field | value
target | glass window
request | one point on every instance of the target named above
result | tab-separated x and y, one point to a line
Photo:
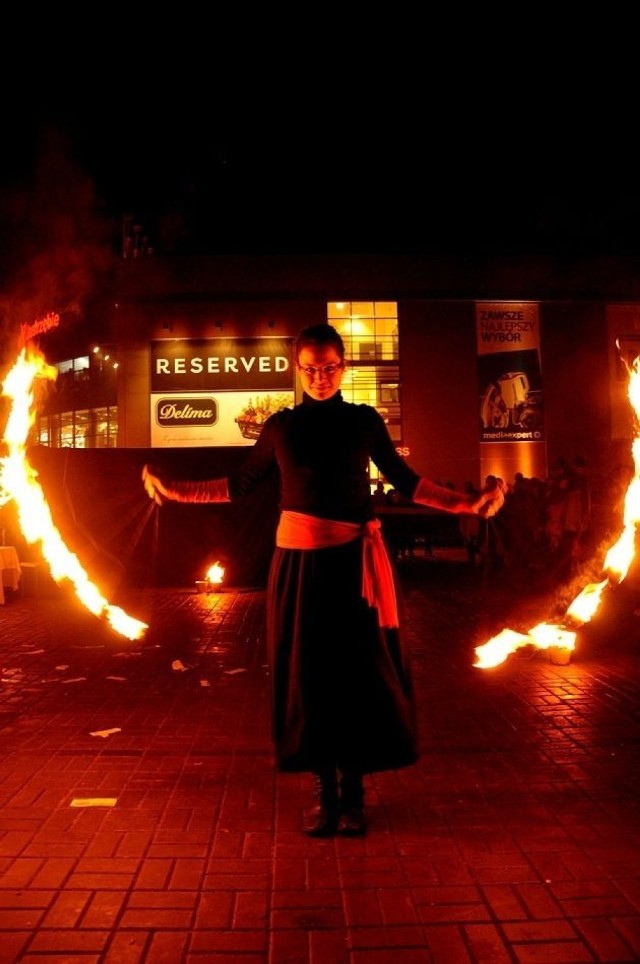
79	364
87	428
81	430
67	435
369	330
41	432
106	427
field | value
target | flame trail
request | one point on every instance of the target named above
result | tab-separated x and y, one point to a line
18	481
616	566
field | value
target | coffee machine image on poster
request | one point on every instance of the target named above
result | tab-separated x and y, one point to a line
511	403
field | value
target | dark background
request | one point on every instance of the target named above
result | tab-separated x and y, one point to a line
123	539
263	137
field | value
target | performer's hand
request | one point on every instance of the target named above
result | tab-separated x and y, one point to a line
491	499
153	486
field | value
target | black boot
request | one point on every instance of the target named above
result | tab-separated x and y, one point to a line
322	820
353	819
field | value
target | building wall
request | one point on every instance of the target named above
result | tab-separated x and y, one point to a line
133	397
438	370
439	383
439	388
206	297
575	371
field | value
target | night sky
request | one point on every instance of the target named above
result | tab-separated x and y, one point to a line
214	162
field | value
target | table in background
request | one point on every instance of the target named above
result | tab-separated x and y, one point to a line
10	568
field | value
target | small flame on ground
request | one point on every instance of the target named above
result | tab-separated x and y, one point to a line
18	481
215	573
616	566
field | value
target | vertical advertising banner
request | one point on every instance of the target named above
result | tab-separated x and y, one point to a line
217	391
510	397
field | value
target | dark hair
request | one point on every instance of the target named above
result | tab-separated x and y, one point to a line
319	335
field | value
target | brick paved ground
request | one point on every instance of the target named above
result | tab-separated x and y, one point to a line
516	838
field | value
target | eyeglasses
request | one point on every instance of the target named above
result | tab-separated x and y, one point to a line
328	371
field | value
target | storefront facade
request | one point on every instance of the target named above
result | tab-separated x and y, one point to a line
477	369
413	330
472	373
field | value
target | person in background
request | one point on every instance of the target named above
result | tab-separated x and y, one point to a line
398	530
379	496
492	548
342	693
556	488
576	518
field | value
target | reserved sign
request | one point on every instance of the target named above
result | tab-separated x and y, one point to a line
221	364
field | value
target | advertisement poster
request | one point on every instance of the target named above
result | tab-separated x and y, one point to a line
509	373
217	391
510	397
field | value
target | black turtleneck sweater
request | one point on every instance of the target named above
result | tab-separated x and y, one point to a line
322	451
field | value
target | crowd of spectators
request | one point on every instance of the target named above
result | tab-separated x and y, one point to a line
546	528
549	527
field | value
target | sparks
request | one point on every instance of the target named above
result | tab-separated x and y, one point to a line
18	481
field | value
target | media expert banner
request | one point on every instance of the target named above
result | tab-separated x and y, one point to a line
509	372
217	391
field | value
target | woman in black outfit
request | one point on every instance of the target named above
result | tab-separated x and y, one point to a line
342	692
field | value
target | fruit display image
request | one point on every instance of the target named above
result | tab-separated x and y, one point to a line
253	416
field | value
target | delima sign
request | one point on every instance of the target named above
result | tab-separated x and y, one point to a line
188	411
221	364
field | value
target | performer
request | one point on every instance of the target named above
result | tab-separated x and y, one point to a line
342	694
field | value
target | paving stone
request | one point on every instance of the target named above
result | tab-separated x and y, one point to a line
516	837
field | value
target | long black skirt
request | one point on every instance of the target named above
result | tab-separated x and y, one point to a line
342	688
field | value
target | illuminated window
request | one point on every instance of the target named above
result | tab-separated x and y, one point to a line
89	428
389	392
73	365
81	411
106	427
369	330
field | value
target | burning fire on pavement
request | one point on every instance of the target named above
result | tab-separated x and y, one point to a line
214	577
18	482
616	565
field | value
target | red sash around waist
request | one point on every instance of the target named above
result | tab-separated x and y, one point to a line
297	530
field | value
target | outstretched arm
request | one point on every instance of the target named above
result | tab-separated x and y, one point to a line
486	503
426	492
211	490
